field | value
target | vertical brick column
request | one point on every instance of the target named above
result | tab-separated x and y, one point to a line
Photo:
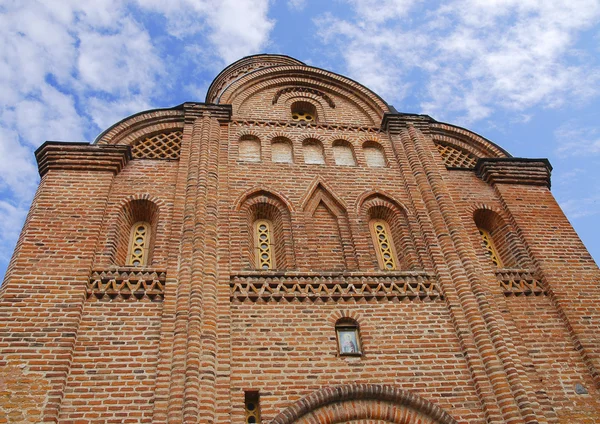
483	319
568	270
43	294
194	344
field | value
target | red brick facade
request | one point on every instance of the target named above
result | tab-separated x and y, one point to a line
446	335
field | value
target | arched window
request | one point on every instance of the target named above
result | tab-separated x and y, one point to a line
304	112
263	242
490	248
348	337
281	150
313	152
384	245
343	154
139	243
500	243
374	155
249	148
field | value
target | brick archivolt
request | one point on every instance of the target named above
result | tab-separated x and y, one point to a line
365	101
377	403
242	67
142	125
465	140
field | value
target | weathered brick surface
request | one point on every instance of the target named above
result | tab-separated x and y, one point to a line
447	337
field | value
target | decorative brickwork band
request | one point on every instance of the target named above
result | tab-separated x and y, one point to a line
514	171
81	157
351	403
125	284
325	97
335	288
517	282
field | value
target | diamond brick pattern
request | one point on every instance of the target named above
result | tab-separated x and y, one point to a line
342	288
159	146
455	157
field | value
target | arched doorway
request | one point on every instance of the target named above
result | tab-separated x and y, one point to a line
363	404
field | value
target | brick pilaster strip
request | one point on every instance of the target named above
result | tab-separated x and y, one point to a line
514	171
483	318
420	200
81	157
199	398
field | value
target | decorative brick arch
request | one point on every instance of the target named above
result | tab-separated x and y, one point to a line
301	77
319	193
510	246
138	207
259	203
405	233
467	141
373	402
142	125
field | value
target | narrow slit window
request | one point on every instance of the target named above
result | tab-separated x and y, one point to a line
490	248
384	246
139	244
265	258
252	405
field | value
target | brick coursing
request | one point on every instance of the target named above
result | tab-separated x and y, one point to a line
446	338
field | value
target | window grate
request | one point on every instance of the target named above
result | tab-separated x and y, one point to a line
264	248
456	158
159	146
383	245
490	249
138	245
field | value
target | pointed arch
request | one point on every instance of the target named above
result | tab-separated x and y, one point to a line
328	229
341	404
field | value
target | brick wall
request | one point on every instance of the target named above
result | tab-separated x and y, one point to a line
85	338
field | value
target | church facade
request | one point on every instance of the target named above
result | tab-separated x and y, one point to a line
294	250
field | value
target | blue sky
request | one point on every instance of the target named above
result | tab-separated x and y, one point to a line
523	73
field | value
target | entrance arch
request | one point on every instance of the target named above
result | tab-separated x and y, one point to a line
363	404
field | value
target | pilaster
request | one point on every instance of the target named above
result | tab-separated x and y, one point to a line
501	386
569	273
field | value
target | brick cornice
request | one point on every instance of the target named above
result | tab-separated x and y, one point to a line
195	110
81	157
394	122
514	171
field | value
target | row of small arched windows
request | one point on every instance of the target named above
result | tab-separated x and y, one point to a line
496	240
282	151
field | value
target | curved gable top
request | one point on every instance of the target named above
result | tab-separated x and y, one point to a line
242	67
240	79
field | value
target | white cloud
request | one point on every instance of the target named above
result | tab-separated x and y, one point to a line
575	140
71	68
120	62
582	207
473	56
296	4
235	28
10	228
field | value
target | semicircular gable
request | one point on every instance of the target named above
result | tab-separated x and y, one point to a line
466	141
320	85
241	68
142	125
